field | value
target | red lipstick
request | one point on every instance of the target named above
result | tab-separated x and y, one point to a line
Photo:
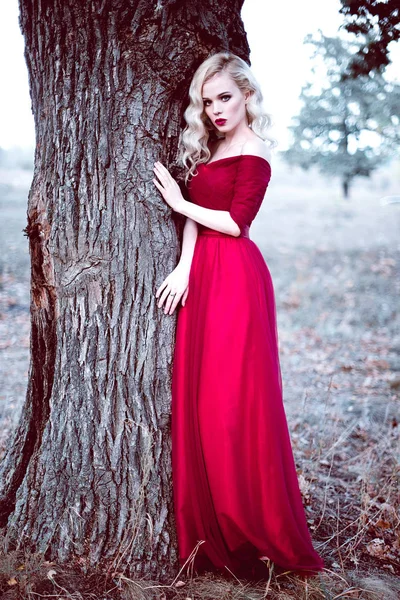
220	122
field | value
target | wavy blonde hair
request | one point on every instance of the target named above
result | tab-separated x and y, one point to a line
193	142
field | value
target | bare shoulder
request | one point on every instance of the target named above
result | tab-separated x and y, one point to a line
257	147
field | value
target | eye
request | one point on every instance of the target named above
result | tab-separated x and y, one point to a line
207	102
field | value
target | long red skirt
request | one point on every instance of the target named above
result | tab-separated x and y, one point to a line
234	477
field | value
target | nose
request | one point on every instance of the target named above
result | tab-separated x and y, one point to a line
216	110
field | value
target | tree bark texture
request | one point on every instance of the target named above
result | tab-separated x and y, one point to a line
87	475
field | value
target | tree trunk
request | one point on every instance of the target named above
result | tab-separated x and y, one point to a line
346	188
87	475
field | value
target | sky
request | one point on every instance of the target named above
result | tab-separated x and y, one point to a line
279	60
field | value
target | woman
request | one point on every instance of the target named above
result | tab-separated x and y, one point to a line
236	490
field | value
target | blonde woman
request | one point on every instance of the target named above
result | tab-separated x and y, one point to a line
236	492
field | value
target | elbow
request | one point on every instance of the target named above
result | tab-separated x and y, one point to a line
236	231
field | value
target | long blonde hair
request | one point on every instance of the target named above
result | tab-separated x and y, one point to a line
194	139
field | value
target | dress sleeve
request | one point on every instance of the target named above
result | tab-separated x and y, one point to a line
252	178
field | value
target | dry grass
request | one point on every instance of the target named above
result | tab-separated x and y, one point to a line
25	576
333	264
350	484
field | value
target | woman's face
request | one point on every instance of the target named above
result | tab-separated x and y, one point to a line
224	103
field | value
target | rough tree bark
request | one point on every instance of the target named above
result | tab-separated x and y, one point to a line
87	475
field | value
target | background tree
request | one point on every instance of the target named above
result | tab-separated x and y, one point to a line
87	475
379	24
347	127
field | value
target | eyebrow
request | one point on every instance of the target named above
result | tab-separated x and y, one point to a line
222	94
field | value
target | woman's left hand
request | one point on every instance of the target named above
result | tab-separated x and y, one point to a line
168	187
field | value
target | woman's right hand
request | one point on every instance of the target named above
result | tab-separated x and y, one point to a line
177	282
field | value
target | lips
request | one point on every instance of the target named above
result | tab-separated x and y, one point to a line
220	121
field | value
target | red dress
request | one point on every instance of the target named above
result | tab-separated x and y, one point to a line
234	478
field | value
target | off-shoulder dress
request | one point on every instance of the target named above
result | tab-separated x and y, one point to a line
235	484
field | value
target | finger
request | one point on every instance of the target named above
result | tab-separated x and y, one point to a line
167	305
184	297
164	297
162	173
161	287
160	302
157	183
168	302
172	302
162	185
175	303
161	166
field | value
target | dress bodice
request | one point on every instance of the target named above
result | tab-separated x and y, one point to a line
236	184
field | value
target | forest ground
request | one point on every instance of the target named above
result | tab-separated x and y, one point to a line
335	268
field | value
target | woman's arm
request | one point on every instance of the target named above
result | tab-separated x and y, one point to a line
215	219
219	220
188	243
177	282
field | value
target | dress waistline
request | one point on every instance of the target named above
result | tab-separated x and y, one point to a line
213	232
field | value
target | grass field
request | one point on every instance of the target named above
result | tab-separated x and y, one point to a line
335	267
